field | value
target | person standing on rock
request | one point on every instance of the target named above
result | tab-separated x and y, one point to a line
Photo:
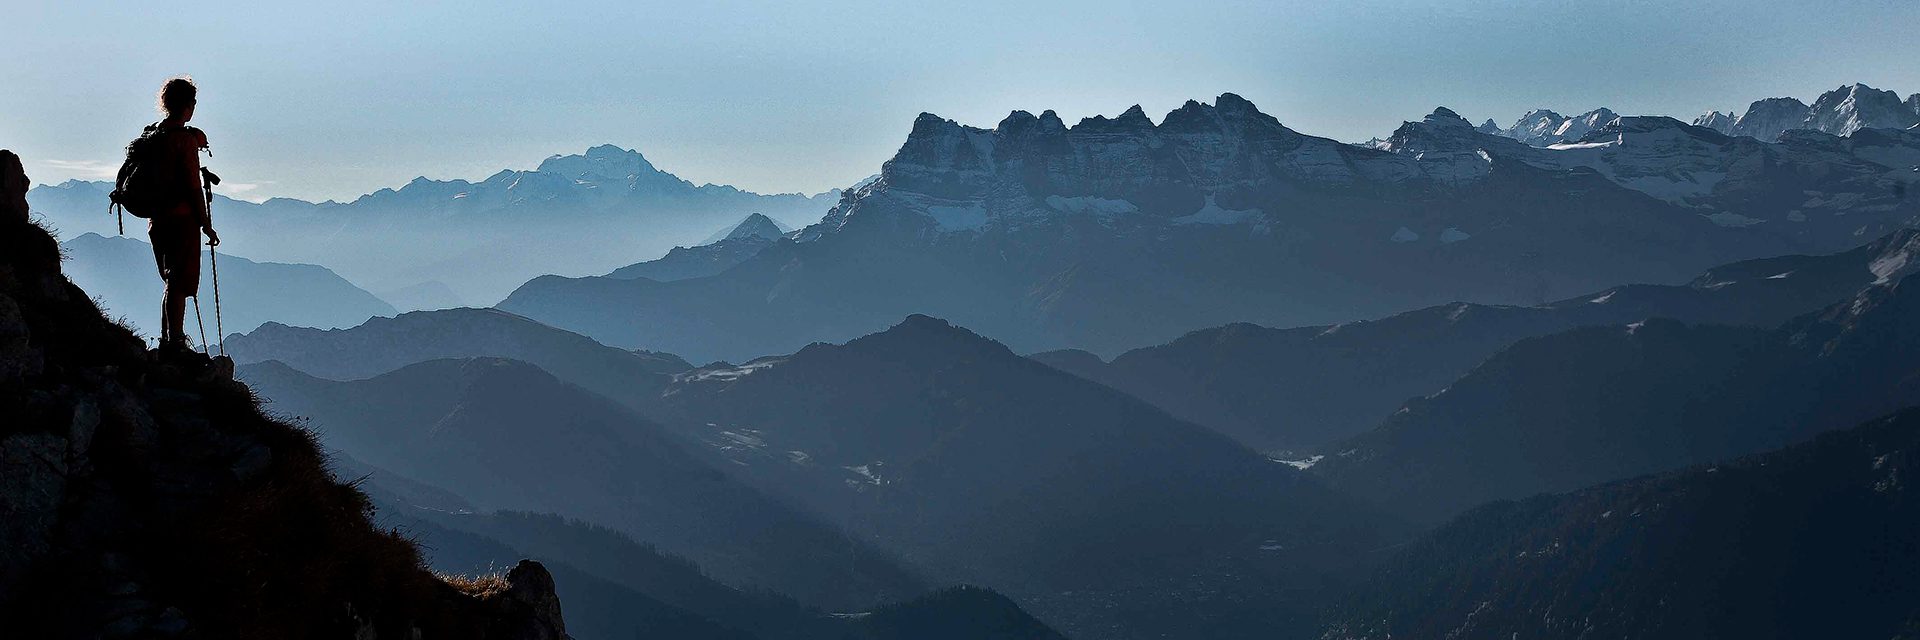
175	226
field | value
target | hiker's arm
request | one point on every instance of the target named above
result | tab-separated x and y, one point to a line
205	203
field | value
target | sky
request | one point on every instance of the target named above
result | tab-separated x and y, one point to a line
333	100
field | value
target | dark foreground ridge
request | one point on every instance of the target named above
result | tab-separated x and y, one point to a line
1813	541
141	498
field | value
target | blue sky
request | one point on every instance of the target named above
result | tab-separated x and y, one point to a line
331	100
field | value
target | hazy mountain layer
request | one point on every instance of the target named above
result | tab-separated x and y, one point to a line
1098	512
1278	389
507	435
574	214
383	345
718	254
120	273
1596	404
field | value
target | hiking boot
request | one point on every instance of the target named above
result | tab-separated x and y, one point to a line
177	351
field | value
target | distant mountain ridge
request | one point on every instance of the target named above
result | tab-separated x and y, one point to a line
588	212
383	345
1840	112
1300	388
723	250
1568	410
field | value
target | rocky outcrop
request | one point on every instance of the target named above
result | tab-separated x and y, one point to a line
1721	122
150	497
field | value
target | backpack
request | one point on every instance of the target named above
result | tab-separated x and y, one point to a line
139	187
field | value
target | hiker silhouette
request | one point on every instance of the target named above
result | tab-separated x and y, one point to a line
181	216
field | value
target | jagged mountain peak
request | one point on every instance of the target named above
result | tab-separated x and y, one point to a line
1537	114
1445	117
1134	119
1542	127
1228	112
757	225
604	161
1715	120
924	339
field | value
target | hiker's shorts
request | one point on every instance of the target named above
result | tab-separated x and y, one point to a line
176	251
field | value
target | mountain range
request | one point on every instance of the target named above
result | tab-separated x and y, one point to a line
383	345
579	214
120	273
1840	112
1035	232
1572	409
1299	388
1096	511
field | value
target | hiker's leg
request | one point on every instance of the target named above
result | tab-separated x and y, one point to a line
174	309
169	311
176	252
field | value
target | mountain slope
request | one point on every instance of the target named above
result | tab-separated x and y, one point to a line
383	345
141	498
1812	541
1277	389
507	435
1101	514
120	272
719	253
1033	232
1601	403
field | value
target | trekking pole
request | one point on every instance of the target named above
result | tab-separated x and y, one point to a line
220	329
213	259
200	321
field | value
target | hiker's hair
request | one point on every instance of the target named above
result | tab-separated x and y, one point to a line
177	94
